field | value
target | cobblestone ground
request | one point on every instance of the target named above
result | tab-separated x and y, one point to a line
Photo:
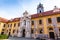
16	38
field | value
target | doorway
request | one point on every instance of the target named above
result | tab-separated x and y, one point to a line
51	34
9	33
23	33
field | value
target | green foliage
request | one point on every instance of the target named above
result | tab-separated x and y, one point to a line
4	36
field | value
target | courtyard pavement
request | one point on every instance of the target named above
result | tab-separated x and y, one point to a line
17	38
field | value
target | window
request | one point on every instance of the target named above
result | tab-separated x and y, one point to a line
2	33
59	29
4	25
32	22
58	19
49	20
41	31
40	21
14	24
31	31
13	31
8	25
2	29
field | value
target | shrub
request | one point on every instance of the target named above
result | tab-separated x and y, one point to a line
4	36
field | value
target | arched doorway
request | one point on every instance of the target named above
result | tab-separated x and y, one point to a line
9	34
23	33
51	34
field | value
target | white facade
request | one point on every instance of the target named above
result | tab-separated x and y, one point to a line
25	24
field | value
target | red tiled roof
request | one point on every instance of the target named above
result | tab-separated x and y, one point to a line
14	20
37	15
3	20
44	14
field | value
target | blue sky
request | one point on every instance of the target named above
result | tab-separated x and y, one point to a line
15	8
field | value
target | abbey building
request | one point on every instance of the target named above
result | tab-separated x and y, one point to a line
46	24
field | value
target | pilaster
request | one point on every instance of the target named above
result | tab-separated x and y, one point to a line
45	26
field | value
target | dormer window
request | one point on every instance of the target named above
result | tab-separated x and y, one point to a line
56	9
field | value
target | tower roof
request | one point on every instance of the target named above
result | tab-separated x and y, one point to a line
25	13
40	6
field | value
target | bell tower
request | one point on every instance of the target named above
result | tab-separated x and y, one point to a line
40	8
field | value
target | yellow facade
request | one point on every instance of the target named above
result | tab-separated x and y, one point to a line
44	24
11	28
2	27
